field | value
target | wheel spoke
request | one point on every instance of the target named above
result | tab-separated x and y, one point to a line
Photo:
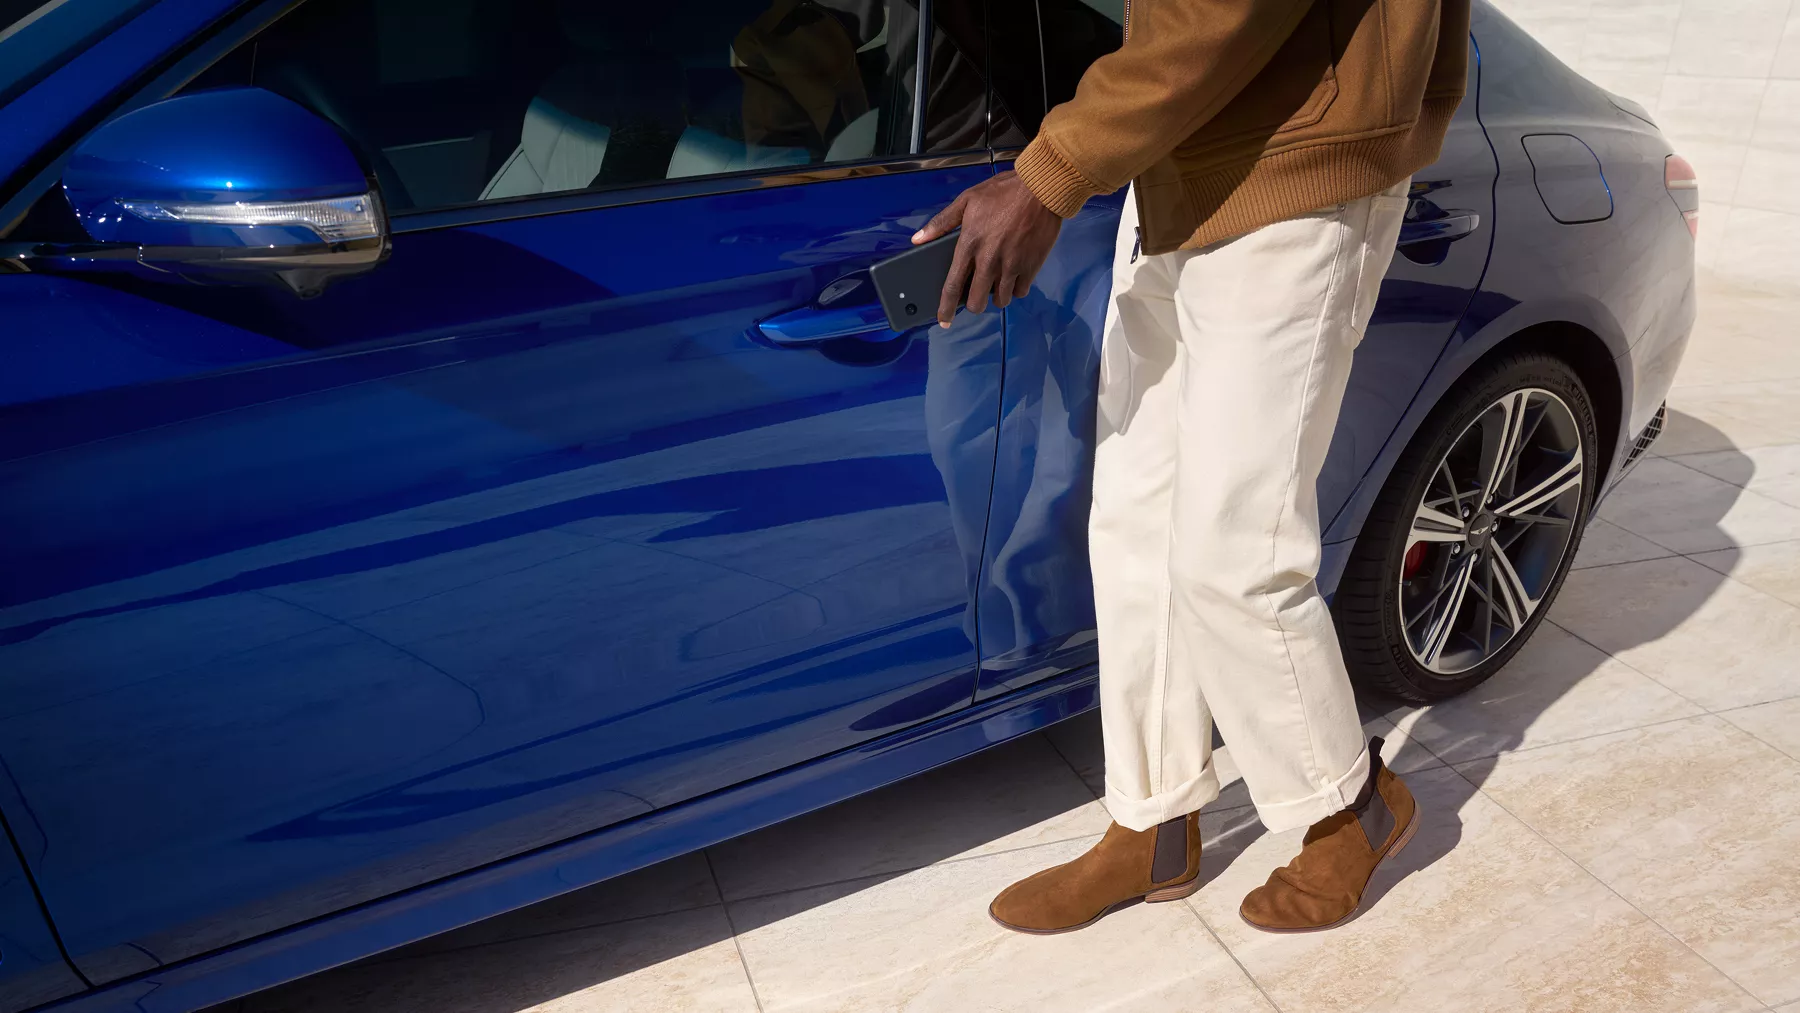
1437	635
1450	482
1511	590
1428	609
1562	480
1487	600
1433	525
1524	519
1499	450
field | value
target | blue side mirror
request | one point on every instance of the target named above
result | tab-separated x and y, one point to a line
233	185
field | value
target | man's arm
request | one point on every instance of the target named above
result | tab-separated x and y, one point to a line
1184	60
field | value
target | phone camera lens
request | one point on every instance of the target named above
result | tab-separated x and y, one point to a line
911	309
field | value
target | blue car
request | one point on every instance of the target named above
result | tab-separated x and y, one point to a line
451	453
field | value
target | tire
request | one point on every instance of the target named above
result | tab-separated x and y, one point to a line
1410	565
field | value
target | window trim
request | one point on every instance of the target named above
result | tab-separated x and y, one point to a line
197	55
570	201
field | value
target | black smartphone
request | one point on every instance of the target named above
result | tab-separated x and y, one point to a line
910	284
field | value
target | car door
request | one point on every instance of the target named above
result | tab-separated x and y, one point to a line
32	970
606	490
1036	603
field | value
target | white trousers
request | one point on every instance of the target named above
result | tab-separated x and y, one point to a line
1222	371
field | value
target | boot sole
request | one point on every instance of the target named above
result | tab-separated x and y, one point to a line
1167	893
1406	836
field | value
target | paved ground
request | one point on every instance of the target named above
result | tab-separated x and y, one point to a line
1612	823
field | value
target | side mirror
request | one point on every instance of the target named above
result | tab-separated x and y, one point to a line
228	186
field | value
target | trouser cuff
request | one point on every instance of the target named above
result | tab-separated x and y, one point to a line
1304	812
1143	813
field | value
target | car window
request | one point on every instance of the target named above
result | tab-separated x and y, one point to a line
462	101
37	37
1076	33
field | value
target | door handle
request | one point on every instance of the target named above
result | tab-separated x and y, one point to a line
810	325
1452	226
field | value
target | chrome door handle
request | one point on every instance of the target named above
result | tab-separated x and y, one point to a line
1454	225
810	325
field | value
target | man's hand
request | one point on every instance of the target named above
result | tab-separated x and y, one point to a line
1006	237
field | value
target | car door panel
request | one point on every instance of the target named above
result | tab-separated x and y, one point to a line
32	969
522	534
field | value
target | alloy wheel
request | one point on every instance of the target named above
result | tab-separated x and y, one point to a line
1491	531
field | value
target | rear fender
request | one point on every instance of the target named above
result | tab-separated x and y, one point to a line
1546	322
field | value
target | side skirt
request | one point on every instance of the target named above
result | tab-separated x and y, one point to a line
582	861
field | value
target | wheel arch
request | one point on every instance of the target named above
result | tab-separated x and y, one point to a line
1590	347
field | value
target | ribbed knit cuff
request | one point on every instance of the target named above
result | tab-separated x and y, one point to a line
1054	180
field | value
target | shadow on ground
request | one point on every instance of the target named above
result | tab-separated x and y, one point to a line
1019	794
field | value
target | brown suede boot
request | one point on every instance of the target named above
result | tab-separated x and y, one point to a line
1324	884
1162	863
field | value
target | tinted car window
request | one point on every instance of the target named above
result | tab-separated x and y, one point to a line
461	101
37	37
1040	50
1076	33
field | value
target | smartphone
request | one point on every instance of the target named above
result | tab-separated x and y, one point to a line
910	284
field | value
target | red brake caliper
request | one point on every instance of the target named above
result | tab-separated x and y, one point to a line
1414	557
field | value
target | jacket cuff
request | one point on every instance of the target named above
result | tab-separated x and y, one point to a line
1053	178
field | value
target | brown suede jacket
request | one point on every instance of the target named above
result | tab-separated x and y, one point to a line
1232	114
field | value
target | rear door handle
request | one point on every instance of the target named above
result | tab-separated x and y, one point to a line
1454	225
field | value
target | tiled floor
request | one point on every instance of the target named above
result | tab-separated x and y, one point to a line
1612	823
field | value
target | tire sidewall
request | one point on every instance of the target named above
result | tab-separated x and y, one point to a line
1406	488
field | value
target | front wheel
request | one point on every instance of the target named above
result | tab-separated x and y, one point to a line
1473	533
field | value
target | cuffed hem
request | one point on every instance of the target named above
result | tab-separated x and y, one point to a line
1333	798
1141	814
1053	178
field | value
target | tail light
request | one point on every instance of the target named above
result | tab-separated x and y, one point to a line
1683	185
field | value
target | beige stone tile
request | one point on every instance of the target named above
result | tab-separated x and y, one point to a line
1728	37
1771	471
1687	433
1713	215
1792	1007
1750	413
679	884
1690	511
1712	640
1012	796
1605	543
1742	333
684	962
1770	178
1694	823
1637	36
1562	29
1555	689
1401	751
923	941
1079	741
1642	87
1777	724
1787	55
1478	914
1761	248
1772	569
